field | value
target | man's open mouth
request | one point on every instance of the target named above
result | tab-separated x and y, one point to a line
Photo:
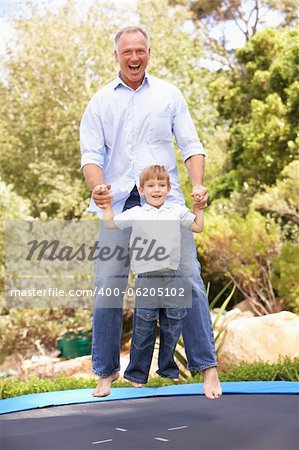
134	68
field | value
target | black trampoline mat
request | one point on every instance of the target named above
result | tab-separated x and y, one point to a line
234	422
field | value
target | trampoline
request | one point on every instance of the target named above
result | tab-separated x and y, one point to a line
253	415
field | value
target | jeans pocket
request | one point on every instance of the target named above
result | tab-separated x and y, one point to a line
148	315
176	313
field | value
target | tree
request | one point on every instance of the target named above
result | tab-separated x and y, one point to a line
247	16
281	200
243	248
259	102
59	63
53	71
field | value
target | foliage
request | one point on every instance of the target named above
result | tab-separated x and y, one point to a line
281	200
12	207
287	370
23	330
286	274
215	17
48	85
259	99
243	248
43	98
247	16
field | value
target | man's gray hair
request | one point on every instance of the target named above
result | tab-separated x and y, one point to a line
130	30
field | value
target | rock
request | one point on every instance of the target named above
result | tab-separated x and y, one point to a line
74	366
268	338
243	306
228	316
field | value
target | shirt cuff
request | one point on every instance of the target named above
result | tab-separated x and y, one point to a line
196	150
89	160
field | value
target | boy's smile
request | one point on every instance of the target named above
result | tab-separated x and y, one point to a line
155	192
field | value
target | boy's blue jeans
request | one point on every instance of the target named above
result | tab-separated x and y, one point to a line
145	326
107	318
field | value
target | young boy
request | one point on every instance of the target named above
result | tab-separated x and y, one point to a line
159	285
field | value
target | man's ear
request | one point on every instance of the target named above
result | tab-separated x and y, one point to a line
115	55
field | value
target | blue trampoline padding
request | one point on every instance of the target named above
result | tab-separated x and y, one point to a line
58	398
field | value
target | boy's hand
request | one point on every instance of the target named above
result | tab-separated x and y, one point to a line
200	196
101	196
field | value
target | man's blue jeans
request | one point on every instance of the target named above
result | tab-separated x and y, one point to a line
111	278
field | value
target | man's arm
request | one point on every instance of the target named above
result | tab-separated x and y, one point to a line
196	166
191	148
94	177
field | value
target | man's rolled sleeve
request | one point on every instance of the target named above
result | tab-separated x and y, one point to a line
184	129
92	140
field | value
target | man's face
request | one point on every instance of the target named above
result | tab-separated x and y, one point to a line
132	55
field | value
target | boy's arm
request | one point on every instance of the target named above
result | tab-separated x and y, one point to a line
197	225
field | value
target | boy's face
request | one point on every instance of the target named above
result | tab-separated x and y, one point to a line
155	192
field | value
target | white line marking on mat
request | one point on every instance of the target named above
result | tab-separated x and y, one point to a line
178	428
162	439
121	429
103	442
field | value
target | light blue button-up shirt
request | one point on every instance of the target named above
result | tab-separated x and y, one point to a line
125	130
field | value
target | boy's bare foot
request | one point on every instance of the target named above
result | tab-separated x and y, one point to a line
138	385
212	388
104	385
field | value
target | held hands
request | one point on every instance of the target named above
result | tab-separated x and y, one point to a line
101	195
200	196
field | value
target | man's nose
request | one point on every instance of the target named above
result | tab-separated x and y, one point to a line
134	56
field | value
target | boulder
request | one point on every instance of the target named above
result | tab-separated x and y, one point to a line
268	338
74	366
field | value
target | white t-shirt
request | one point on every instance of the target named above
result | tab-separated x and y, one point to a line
155	240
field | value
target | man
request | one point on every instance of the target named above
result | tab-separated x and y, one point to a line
129	125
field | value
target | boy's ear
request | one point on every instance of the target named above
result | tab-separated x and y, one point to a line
140	190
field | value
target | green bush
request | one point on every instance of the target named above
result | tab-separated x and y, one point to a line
287	370
286	274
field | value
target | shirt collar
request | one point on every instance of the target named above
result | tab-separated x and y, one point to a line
118	81
148	207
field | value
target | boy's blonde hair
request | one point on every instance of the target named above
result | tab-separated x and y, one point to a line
154	172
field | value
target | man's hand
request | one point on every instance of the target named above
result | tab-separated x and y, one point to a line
101	196
200	196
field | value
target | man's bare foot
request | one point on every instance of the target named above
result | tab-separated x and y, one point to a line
212	388
104	385
176	380
138	385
